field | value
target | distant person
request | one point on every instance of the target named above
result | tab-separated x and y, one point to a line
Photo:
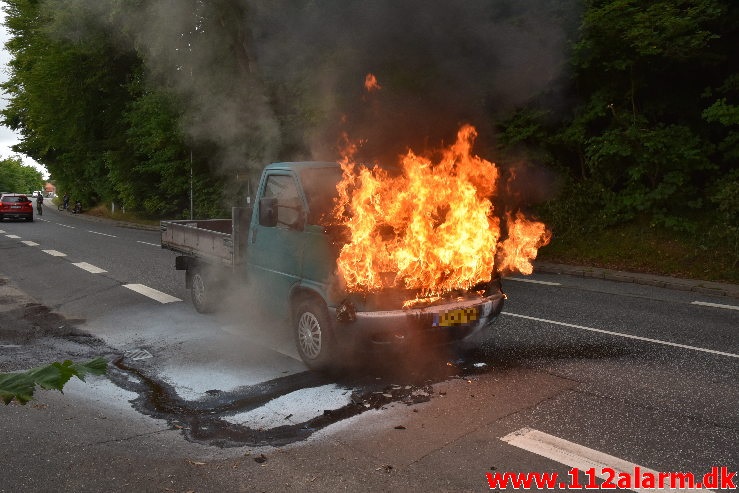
65	201
40	204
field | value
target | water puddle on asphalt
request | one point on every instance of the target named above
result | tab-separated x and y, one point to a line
290	408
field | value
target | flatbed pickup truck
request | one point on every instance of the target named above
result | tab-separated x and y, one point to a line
288	260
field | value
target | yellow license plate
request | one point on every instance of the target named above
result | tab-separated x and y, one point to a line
460	316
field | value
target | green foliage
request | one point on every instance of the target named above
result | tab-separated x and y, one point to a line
17	177
652	128
618	35
663	163
21	386
726	229
723	113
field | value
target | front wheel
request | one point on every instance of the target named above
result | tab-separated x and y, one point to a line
313	336
201	291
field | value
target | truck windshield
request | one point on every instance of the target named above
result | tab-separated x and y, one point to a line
319	185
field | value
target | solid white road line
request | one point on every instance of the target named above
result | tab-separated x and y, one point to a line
521	279
620	334
54	253
15	237
88	267
101	234
29	243
715	305
147	243
574	455
151	293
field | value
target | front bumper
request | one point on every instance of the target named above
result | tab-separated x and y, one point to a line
442	323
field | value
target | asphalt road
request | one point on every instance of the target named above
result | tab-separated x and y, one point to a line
578	373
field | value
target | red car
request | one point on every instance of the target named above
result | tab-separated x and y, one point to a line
17	206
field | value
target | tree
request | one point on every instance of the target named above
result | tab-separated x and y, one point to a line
17	177
638	138
67	96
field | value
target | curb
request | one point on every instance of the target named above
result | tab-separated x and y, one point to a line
696	286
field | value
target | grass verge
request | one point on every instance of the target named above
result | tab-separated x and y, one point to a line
644	248
103	210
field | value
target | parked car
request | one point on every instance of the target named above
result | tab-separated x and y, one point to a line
16	206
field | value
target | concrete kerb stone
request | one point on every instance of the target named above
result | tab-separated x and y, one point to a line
697	286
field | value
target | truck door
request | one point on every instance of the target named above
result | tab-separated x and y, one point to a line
274	254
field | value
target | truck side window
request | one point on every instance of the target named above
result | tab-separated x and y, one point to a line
283	188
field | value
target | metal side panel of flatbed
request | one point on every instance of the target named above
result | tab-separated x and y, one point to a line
210	240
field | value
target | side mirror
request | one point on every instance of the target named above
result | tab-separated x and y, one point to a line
268	212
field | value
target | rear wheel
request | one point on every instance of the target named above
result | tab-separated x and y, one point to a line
313	336
201	291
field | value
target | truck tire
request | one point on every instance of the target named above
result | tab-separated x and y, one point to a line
202	292
313	336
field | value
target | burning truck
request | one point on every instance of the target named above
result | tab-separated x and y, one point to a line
353	256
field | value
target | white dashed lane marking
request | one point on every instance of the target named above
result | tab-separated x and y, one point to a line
147	243
574	455
88	267
101	234
620	334
54	253
715	305
151	293
521	279
139	288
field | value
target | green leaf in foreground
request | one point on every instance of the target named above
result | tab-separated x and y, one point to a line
20	386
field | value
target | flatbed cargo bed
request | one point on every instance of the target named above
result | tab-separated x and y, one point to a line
210	239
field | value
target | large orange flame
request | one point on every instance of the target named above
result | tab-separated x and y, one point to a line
433	228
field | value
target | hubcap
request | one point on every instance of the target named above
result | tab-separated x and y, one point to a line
309	335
